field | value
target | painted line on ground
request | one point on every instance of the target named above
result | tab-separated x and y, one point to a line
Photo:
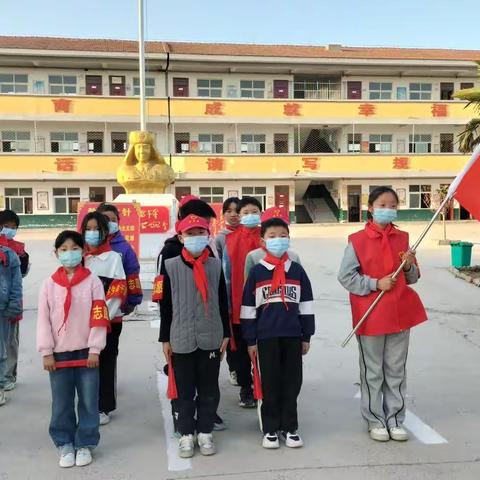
175	463
422	431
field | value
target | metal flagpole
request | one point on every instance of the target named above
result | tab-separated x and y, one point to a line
141	64
397	271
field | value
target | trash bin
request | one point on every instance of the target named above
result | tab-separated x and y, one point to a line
461	254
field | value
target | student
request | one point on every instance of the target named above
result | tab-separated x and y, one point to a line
9	223
71	332
194	331
10	304
232	222
277	323
255	256
371	257
238	245
107	265
129	258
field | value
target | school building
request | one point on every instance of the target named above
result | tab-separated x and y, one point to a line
311	128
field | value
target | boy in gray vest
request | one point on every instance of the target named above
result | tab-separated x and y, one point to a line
194	330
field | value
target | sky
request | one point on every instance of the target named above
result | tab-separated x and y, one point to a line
403	23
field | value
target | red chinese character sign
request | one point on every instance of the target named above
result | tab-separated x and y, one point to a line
129	221
65	164
217	223
154	219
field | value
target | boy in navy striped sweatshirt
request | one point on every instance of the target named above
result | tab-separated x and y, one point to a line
277	322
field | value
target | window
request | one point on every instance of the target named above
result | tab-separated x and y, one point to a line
210	143
211	194
260	193
95	142
119	142
252	88
64	142
280	142
62	84
116	191
380	91
446	90
420	143
96	194
420	91
253	143
401	93
446	143
420	196
354	142
13	83
380	144
209	88
149	86
20	200
465	85
15	141
65	200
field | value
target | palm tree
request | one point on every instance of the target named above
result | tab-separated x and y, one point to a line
470	137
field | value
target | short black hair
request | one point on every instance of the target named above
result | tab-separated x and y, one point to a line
102	225
9	216
249	201
376	192
108	207
196	207
69	234
228	202
273	222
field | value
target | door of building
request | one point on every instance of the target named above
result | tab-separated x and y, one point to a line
280	89
354	90
93	84
354	194
117	85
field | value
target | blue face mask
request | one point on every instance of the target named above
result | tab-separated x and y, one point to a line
384	216
8	232
195	245
70	258
113	227
92	237
277	246
251	220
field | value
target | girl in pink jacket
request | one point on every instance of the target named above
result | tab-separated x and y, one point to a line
71	332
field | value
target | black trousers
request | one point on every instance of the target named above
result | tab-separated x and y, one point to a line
231	359
107	401
196	376
243	365
280	362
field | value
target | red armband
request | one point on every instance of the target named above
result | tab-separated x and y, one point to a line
71	363
134	287
99	315
117	289
157	292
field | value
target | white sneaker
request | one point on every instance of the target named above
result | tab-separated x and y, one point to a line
3	399
104	418
380	434
270	441
234	379
186	446
67	456
292	439
398	434
205	442
84	457
9	386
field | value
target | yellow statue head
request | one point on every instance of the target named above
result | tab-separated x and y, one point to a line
142	149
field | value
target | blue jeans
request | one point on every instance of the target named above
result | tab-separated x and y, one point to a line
64	426
4	338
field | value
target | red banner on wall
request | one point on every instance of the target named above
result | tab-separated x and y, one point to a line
154	219
219	222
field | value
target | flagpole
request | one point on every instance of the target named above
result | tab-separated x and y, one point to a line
398	270
141	64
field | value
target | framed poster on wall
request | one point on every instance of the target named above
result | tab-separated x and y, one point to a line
42	201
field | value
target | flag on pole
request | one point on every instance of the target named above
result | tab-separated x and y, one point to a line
465	187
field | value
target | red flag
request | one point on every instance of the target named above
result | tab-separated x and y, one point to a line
257	382
172	392
465	186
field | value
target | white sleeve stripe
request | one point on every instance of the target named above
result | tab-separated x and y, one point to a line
248	312
306	308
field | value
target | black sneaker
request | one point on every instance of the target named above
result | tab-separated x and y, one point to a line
246	398
218	425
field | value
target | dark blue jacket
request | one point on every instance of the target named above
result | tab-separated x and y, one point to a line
10	285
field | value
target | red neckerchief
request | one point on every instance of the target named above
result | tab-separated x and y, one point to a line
230	228
278	279
17	247
3	255
199	274
374	231
60	278
104	247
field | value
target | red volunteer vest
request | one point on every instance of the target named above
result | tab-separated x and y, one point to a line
379	255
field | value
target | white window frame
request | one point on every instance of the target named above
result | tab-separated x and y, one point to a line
16	85
416	192
420	91
19	195
149	86
210	143
352	145
380	90
385	142
253	143
20	141
252	88
62	86
69	144
420	143
260	193
66	196
208	90
211	194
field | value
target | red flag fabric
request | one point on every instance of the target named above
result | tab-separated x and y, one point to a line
257	381
172	393
465	186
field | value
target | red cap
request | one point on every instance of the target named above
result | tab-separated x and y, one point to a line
192	221
275	212
186	199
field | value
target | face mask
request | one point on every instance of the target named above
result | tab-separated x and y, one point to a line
195	245
70	258
384	216
251	220
8	232
113	227
277	246
92	237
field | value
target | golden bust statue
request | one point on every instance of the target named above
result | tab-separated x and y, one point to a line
144	170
